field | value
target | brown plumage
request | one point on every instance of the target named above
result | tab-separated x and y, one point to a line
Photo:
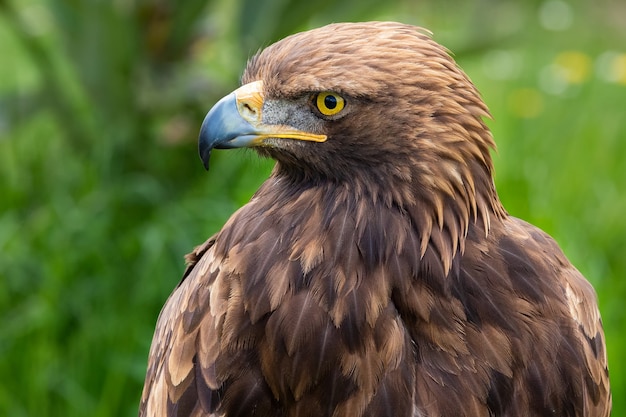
375	273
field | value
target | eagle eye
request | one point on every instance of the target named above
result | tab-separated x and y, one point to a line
329	103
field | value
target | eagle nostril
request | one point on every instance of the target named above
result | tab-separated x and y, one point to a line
247	111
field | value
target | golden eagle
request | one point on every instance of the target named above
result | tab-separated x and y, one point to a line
375	272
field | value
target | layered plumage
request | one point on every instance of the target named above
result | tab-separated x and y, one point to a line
375	273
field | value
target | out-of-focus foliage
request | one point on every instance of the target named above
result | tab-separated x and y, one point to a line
101	190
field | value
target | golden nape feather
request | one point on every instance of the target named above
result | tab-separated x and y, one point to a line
375	273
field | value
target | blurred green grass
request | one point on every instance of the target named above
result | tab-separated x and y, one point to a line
101	190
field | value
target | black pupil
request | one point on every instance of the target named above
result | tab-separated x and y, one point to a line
330	102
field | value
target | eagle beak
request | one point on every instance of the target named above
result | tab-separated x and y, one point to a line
236	122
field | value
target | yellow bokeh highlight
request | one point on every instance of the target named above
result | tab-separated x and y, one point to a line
618	69
574	66
525	103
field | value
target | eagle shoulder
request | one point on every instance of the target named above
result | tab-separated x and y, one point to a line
548	313
171	384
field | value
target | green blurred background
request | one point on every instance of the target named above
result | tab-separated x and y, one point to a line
102	191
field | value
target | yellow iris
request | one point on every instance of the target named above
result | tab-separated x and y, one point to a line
329	103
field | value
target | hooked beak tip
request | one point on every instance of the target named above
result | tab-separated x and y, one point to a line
206	157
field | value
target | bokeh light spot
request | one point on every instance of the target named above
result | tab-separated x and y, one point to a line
556	15
525	103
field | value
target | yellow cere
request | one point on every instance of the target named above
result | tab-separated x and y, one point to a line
329	103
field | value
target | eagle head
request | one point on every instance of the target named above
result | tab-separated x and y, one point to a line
379	106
